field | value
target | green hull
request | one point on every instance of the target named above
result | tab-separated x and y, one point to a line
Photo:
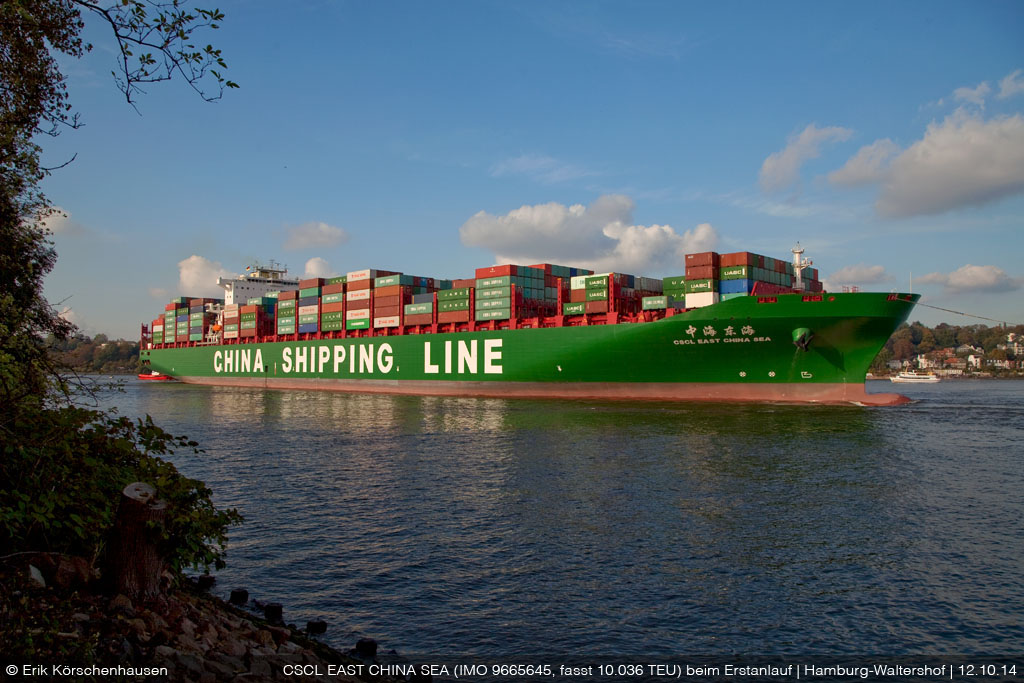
741	349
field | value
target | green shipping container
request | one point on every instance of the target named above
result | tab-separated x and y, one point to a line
654	303
309	318
597	282
286	329
332	298
597	294
676	281
726	297
196	316
337	280
332	316
483	304
698	286
493	293
391	280
233	327
491	282
456	305
416	309
734	272
460	293
247	325
332	325
363	324
494	314
309	291
196	337
248	316
578	308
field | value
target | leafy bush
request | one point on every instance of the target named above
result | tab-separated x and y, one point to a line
64	474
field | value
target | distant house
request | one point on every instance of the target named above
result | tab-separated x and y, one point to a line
974	361
967	348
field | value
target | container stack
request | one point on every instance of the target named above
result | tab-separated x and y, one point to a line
358	309
332	304
393	292
157	331
744	273
605	292
453	304
288	312
232	321
309	305
701	281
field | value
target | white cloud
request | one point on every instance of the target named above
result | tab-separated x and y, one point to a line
543	169
963	161
59	223
1011	85
315	234
71	316
869	165
782	169
860	274
318	267
197	276
971	278
601	236
975	96
159	293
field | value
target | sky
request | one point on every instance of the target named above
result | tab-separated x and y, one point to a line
435	138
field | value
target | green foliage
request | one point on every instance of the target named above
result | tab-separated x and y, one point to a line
82	354
66	472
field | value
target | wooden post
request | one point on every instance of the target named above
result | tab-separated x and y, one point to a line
136	560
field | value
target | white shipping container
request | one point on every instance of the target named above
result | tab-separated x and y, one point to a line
578	282
358	314
359	275
386	321
357	295
702	299
231	335
312	309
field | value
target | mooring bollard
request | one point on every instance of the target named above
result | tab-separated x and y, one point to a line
316	628
239	596
366	648
273	612
205	581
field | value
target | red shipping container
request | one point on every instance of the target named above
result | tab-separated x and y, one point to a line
291	295
170	307
363	305
597	307
701	272
249	308
393	290
704	258
386	311
336	288
577	295
381	300
419	319
465	282
359	284
335	307
247	333
311	282
495	271
453	317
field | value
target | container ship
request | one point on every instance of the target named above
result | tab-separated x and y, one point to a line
732	327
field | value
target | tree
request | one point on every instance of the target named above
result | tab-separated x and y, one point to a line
155	41
60	463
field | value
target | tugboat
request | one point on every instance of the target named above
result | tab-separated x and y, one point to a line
153	375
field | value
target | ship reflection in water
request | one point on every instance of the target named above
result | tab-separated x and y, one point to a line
491	527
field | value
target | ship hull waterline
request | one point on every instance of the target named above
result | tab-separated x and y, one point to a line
739	350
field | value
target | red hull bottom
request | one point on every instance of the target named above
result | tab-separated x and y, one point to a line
610	391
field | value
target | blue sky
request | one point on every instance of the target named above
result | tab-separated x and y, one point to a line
434	138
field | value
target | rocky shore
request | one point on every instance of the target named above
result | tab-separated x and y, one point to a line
52	614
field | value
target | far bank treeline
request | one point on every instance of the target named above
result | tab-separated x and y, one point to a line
913	339
101	355
97	354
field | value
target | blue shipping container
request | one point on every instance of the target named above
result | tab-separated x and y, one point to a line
309	301
309	327
182	318
735	286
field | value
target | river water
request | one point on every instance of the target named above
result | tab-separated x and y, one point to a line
486	527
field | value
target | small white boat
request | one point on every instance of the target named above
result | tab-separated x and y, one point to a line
915	377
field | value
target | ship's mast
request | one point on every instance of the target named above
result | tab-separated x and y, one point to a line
798	265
